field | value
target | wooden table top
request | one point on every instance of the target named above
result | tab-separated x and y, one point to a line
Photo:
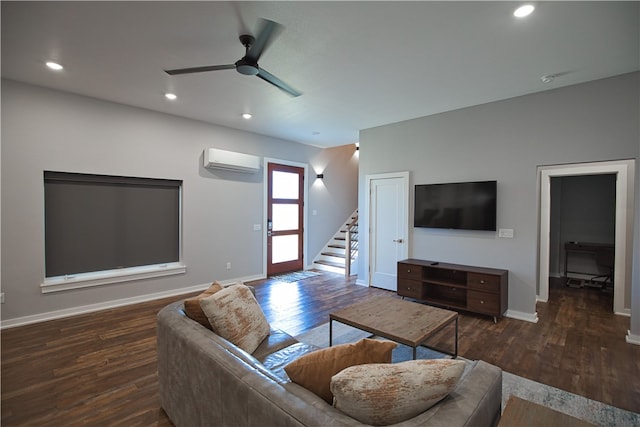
522	413
406	322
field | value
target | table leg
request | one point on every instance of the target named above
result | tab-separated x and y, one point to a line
455	354
330	332
414	352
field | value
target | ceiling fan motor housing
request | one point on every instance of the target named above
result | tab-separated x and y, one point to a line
247	66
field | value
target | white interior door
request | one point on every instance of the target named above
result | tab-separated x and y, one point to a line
389	229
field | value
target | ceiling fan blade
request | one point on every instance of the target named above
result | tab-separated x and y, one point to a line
200	69
270	78
269	30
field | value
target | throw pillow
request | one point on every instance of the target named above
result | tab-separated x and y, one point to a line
236	316
314	370
192	305
383	394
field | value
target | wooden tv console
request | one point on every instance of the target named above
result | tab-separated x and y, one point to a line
475	289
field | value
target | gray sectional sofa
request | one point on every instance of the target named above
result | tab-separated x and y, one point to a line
207	381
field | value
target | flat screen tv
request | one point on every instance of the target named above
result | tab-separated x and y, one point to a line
459	205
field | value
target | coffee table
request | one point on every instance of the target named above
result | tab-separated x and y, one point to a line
409	323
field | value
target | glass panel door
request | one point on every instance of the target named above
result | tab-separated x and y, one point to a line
285	217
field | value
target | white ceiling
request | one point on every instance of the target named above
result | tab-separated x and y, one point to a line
358	64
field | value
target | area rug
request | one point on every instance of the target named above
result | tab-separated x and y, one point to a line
571	404
295	276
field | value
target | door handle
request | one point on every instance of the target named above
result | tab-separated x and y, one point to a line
398	240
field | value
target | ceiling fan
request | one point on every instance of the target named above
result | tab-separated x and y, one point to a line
248	64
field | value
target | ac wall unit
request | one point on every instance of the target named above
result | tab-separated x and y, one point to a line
229	160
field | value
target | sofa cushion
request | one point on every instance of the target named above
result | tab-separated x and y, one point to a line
192	305
277	340
383	394
314	370
276	361
236	316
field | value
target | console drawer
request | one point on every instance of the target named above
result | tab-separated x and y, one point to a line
483	282
410	288
483	302
409	271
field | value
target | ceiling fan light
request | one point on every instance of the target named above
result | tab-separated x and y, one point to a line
247	69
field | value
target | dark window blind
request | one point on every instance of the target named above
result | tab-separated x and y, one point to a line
99	222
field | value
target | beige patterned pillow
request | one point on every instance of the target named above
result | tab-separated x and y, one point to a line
192	305
383	394
236	316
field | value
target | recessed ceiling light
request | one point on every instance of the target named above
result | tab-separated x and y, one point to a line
523	11
171	96
246	116
54	66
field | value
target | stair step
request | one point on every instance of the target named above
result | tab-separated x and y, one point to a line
339	238
330	263
336	246
334	254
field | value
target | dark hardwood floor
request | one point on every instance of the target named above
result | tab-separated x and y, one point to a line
100	368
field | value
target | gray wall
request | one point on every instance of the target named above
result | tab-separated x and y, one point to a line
505	141
335	195
50	130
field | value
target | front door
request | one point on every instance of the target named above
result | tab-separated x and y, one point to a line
388	223
285	228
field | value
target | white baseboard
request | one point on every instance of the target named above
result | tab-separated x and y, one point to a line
521	315
74	311
361	282
632	338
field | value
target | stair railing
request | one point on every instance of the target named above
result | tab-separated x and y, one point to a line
351	245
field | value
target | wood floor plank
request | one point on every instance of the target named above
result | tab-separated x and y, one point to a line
101	368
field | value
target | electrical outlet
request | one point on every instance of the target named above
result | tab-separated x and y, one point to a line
228	266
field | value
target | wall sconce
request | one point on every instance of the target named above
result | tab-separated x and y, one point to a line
320	176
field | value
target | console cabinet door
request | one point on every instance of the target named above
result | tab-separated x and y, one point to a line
410	288
483	282
483	302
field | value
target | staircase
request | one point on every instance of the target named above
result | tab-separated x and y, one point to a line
335	256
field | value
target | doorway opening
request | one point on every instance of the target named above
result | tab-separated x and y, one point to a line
622	172
582	234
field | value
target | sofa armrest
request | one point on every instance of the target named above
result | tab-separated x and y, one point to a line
476	401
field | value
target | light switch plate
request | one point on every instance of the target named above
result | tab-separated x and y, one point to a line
505	233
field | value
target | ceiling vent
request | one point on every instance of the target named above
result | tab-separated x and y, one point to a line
229	160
